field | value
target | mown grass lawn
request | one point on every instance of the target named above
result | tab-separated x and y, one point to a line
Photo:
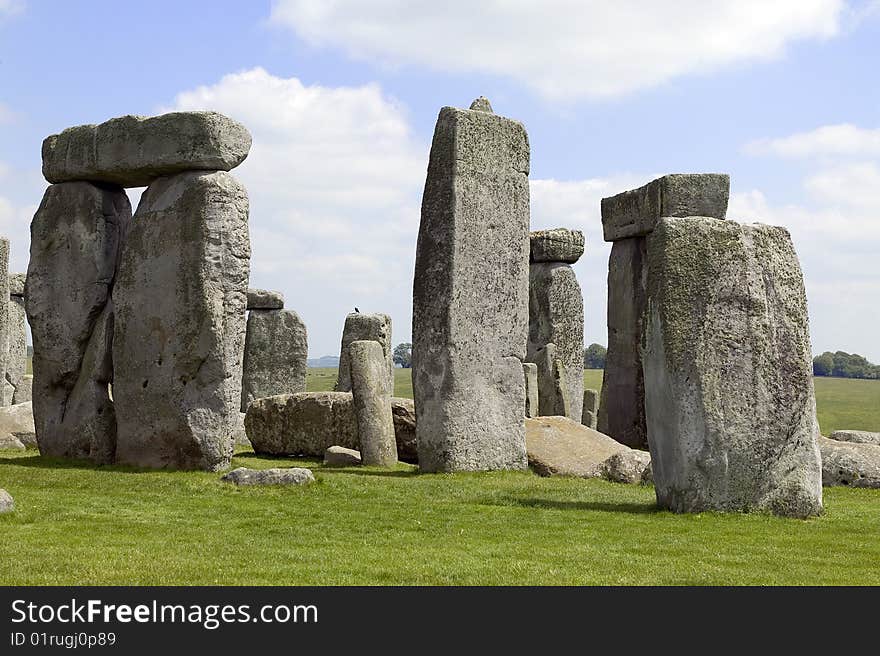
78	524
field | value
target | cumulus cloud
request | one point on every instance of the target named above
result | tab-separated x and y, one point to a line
564	50
843	139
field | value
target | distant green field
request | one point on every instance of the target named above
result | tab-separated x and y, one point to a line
840	402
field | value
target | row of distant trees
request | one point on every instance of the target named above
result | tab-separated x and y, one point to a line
844	365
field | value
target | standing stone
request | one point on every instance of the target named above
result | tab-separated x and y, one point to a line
470	295
180	300
372	404
530	372
591	408
622	408
730	405
16	360
553	395
556	315
275	353
76	237
358	327
6	388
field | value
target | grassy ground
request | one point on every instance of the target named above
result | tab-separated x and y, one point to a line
78	524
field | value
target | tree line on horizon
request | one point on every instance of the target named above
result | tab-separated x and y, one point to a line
845	365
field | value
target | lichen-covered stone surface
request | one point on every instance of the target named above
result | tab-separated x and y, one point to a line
470	295
7	503
556	315
730	407
17	426
372	404
274	476
622	407
556	245
635	212
132	151
308	423
854	464
861	437
553	396
264	299
530	375
16	284
275	353
627	466
16	360
180	323
362	326
76	237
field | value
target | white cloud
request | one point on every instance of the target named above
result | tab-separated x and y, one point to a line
11	7
562	49
844	139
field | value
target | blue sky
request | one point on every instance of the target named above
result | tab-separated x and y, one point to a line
342	97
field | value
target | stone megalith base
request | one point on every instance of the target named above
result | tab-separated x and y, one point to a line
730	407
276	351
76	236
374	327
372	404
180	299
470	295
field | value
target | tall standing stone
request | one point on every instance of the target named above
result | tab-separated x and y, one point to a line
730	405
16	360
372	404
470	294
358	327
556	315
275	353
6	388
76	237
180	300
627	219
530	373
591	408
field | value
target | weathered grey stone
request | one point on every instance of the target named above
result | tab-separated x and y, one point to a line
11	443
556	315
530	373
590	413
180	323
276	351
7	391
76	236
622	408
16	284
470	295
339	456
730	406
274	476
861	437
239	434
308	423
556	245
627	466
16	358
24	391
263	299
132	151
856	464
372	403
7	504
558	446
481	104
17	426
590	419
634	213
359	327
553	395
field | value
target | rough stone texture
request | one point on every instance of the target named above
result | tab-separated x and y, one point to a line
76	236
24	392
308	423
622	408
263	299
470	295
361	327
7	504
730	405
850	463
132	151
180	323
482	104
239	434
556	245
7	391
276	351
530	373
16	360
372	403
274	476
11	443
17	425
556	315
553	395
16	284
339	456
634	213
628	466
861	437
558	446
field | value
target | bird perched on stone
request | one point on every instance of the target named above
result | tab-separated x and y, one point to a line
356	310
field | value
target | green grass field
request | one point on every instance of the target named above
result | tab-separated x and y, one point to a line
79	524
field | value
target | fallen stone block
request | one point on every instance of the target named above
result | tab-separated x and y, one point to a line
274	476
339	456
854	464
17	426
861	437
627	466
7	504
